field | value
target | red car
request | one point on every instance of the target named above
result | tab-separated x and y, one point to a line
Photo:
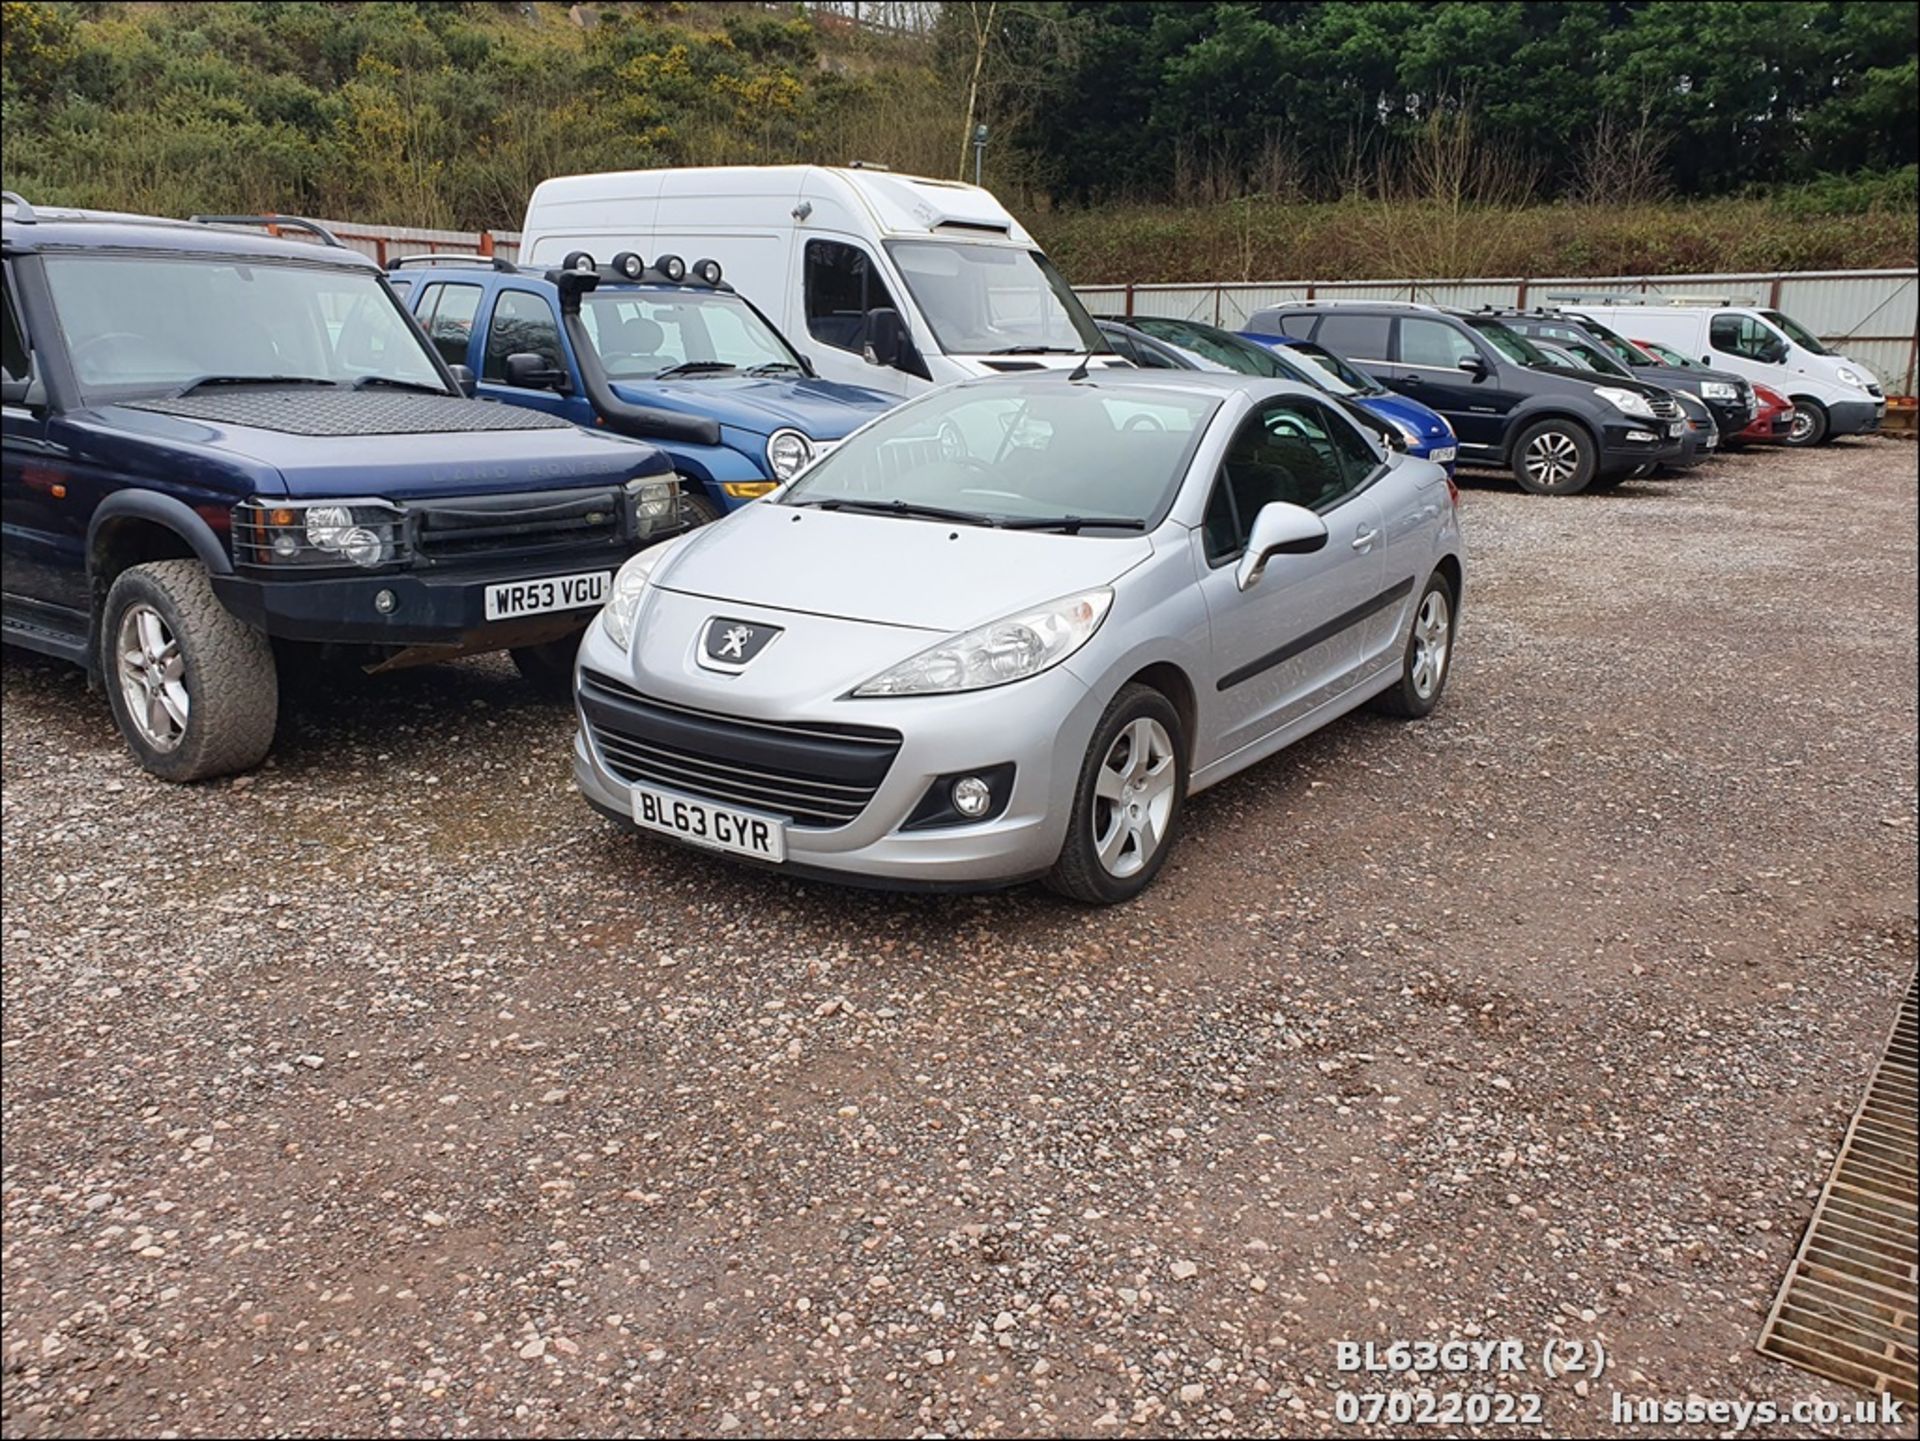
1772	419
1773	414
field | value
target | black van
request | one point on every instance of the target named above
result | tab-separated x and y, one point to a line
1559	431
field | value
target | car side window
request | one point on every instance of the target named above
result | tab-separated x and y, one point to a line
1291	449
13	353
1742	335
1354	337
1432	343
841	287
447	313
523	323
1298	325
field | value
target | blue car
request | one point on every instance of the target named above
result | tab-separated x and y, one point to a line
663	353
1425	430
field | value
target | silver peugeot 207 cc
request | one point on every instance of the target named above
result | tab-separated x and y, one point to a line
1005	630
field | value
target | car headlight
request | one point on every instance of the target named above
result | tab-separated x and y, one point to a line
1408	429
1718	390
366	533
1851	377
1006	650
656	502
623	601
788	453
1631	401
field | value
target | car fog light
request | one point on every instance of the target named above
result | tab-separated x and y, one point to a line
629	265
385	601
972	796
285	546
1641	435
673	267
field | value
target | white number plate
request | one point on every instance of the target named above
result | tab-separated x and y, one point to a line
1444	454
511	599
717	827
1713	438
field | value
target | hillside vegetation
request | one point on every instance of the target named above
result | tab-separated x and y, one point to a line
1142	142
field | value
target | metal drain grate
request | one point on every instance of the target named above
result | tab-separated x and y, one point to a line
1847	1309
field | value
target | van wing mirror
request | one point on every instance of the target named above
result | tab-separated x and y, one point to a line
1280	528
531	372
463	379
888	340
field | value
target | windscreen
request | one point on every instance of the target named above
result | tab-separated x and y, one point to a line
994	299
1509	342
640	333
1348	380
1795	331
1010	451
150	325
1222	347
1616	344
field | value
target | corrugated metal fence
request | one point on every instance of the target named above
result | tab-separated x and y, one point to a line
1871	314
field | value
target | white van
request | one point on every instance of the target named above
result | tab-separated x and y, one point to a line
884	280
1831	394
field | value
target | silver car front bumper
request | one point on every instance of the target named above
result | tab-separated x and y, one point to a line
1041	726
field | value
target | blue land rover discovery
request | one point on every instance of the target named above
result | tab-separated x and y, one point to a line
666	352
225	451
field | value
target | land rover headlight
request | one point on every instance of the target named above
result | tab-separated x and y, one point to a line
1003	651
1718	390
1630	401
366	533
788	453
656	502
1851	377
623	600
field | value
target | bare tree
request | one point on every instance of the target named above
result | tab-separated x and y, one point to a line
982	33
1623	160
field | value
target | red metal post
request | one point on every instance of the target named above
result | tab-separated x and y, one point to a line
1129	311
485	248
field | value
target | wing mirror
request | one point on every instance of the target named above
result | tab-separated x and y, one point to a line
1474	366
889	342
531	372
463	379
1280	528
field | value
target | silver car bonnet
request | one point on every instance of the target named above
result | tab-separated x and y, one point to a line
887	570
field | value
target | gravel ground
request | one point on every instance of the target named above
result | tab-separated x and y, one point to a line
391	1091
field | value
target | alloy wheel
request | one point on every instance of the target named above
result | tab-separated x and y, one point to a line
1432	638
1552	458
153	677
1133	797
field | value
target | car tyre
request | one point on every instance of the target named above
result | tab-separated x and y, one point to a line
1810	423
1428	656
703	511
548	667
193	689
1127	804
1555	457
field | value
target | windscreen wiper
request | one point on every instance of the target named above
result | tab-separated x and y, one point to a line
774	367
206	382
693	367
900	507
390	382
1037	350
1071	523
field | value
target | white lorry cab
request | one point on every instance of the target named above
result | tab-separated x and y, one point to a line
1832	395
890	281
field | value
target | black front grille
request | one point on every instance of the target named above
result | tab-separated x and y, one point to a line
488	526
816	776
1665	407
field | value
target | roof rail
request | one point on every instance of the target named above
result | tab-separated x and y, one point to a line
22	211
500	263
284	222
1719	300
1599	297
1359	300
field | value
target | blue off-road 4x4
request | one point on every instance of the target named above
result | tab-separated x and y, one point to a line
665	352
225	451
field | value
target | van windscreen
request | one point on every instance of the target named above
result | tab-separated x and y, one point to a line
994	299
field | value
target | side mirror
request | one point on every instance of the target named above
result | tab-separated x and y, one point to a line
806	366
888	340
1280	528
1391	439
1474	366
14	392
463	378
531	372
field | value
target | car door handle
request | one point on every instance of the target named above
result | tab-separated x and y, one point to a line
1364	540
